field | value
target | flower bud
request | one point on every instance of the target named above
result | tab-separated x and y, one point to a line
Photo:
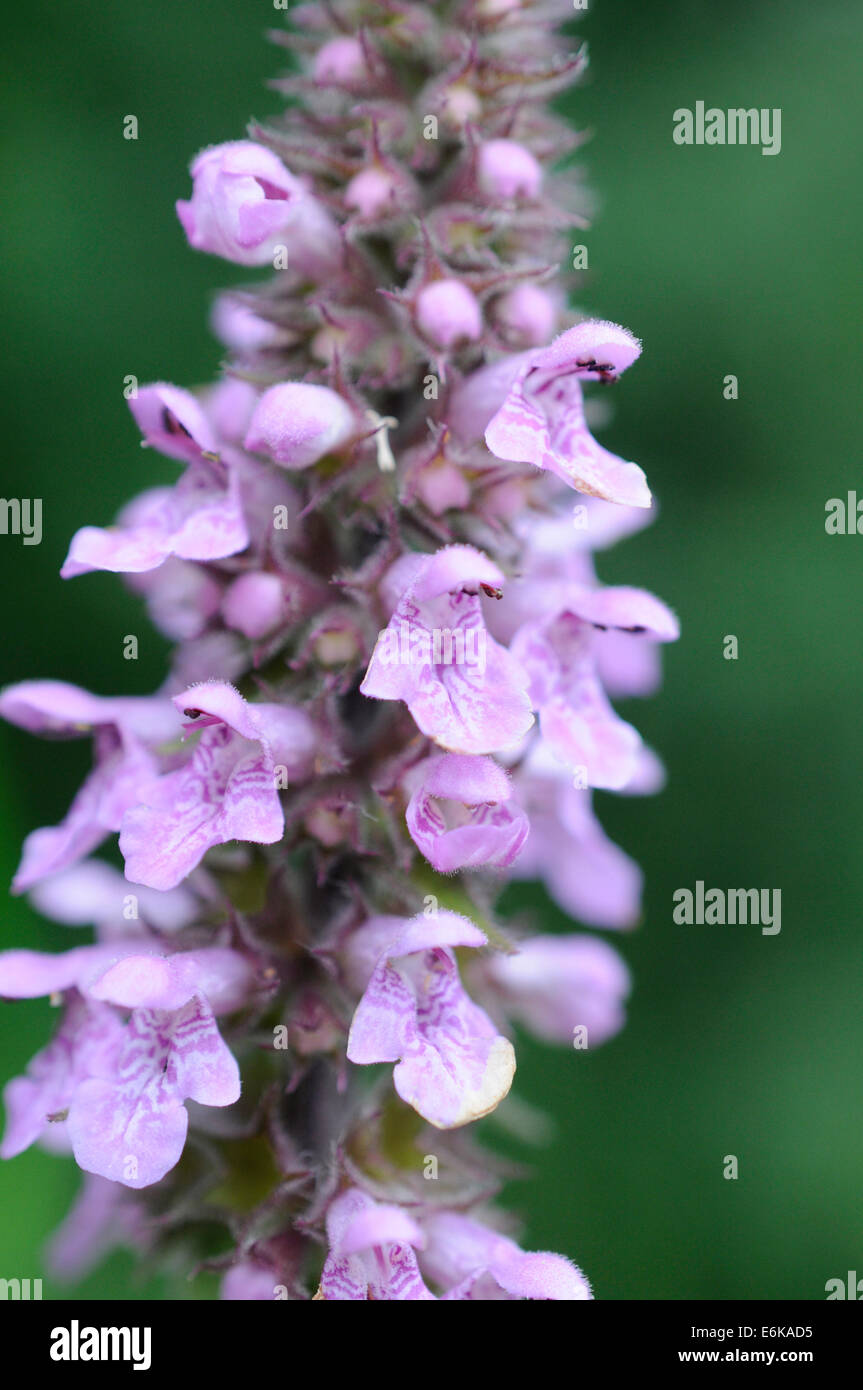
448	313
461	104
526	316
441	484
296	424
372	192
241	330
254	605
336	647
506	170
341	62
249	1282
332	824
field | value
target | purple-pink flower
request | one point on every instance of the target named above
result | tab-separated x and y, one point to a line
371	1252
471	1261
245	204
114	1091
228	790
248	1282
131	1126
531	410
126	731
37	1104
460	814
463	689
555	985
93	894
589	877
557	650
200	518
101	1219
448	313
452	1064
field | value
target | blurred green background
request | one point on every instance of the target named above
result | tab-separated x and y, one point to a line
723	261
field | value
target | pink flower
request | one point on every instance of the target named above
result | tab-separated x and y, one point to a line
433	474
464	690
120	1087
575	716
531	410
94	894
555	984
135	975
588	876
452	1065
228	790
472	1262
248	1281
125	732
102	1218
173	421
38	1102
460	814
201	518
245	204
181	597
230	405
131	1127
242	330
374	192
371	1252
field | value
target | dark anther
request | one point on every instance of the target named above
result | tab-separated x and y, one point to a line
591	365
491	591
171	425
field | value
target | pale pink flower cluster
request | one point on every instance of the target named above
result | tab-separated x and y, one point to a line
391	694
